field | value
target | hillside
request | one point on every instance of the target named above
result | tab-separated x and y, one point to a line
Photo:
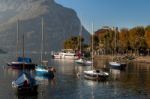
60	23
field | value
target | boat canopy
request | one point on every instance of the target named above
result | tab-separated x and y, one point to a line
22	78
24	59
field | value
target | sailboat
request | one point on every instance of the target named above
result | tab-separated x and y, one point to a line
43	70
116	64
26	61
82	61
94	74
25	84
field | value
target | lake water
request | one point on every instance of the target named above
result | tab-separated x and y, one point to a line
132	83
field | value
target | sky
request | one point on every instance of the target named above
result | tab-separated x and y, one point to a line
113	13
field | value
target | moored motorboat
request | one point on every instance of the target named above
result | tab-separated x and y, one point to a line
83	62
56	55
116	61
117	65
64	54
96	75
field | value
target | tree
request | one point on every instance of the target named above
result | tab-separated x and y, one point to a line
95	42
108	41
147	36
73	42
68	44
136	37
123	39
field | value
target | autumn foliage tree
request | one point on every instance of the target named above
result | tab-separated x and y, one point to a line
147	36
73	42
123	38
136	39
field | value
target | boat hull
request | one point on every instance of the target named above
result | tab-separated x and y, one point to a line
43	71
56	56
25	85
64	54
120	66
26	90
83	62
90	75
99	78
69	57
22	65
45	74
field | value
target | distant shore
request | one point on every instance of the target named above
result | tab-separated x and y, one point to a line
140	59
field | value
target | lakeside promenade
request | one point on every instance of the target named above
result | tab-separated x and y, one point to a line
140	59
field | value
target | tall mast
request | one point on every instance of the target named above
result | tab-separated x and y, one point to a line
92	43
115	40
80	35
23	53
17	45
42	40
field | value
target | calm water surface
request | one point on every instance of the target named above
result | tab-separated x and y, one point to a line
132	83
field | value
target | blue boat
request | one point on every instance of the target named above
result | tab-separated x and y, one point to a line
42	69
25	85
45	71
22	63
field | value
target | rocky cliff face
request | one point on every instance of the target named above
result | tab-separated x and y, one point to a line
60	23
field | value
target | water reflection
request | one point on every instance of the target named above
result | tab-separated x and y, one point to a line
10	71
69	83
115	74
27	97
63	66
137	78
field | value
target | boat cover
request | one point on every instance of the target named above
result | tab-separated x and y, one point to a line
24	77
24	59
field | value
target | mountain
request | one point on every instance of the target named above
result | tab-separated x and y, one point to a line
60	23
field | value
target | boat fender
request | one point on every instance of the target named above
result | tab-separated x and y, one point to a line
52	69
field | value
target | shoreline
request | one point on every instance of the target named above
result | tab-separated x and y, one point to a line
139	59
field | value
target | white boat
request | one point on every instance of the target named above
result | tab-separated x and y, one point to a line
68	54
79	61
94	74
84	62
65	54
88	63
56	55
117	65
